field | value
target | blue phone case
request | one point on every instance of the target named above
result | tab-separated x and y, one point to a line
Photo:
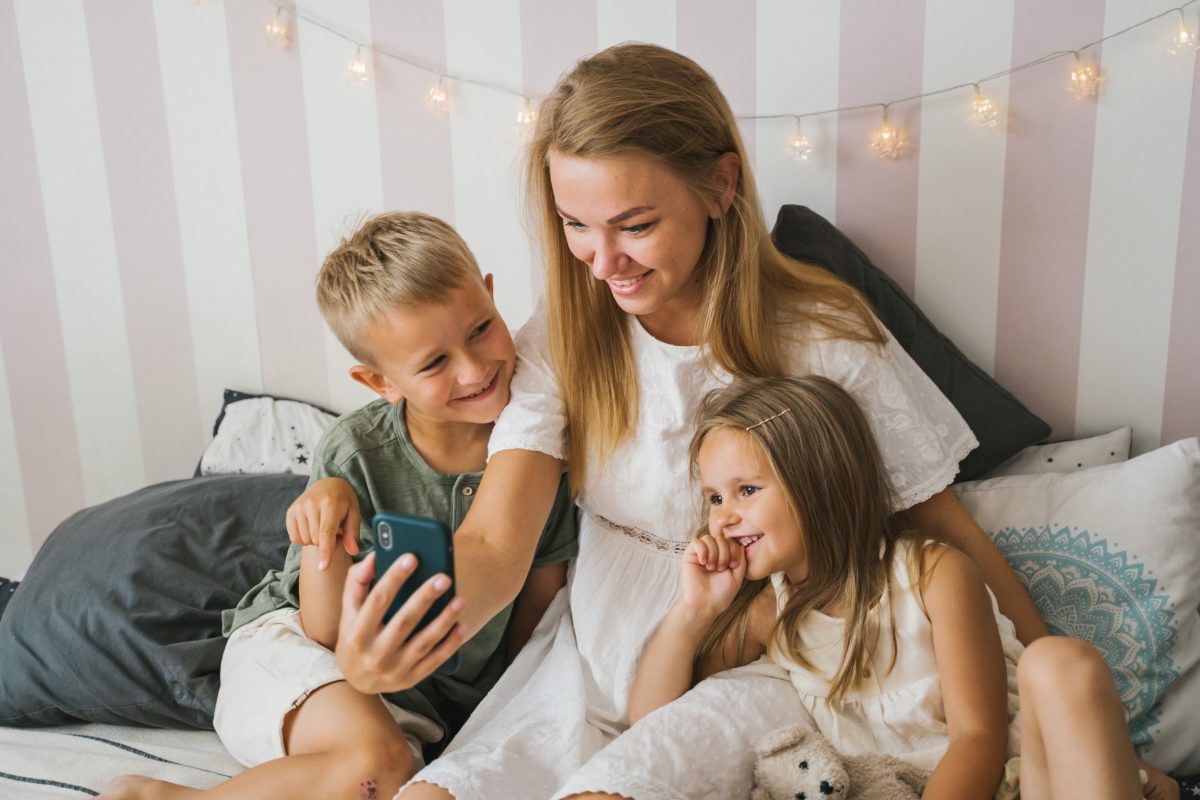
433	545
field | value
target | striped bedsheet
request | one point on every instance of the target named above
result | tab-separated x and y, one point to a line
75	761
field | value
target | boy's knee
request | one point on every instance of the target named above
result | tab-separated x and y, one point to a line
1063	666
380	768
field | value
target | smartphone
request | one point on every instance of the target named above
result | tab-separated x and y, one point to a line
432	544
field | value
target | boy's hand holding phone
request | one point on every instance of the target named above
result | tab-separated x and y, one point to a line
326	512
375	656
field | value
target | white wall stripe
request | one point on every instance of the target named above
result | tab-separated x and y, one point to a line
62	104
16	546
343	148
651	21
797	71
485	42
960	196
1133	227
193	51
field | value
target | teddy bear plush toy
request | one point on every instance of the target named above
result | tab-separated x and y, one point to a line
797	764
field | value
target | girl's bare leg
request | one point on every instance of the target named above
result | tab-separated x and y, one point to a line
341	744
1074	740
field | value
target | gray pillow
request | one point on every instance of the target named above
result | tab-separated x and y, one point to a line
1000	422
118	619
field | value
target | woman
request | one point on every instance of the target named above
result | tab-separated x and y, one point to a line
662	283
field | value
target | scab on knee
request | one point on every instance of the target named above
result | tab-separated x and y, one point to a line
368	790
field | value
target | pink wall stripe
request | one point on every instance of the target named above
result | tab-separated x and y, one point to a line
1043	241
269	103
723	38
554	35
414	143
1181	404
133	124
881	58
30	332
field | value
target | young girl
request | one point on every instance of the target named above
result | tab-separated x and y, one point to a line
892	640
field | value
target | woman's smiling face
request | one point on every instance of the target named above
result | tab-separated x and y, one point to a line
640	230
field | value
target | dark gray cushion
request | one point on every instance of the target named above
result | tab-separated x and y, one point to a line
1000	422
118	619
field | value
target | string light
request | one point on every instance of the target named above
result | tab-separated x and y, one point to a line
798	145
277	31
525	117
1183	40
357	72
1085	81
887	140
437	98
983	112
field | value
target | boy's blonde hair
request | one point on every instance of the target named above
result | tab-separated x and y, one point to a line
395	259
645	100
824	456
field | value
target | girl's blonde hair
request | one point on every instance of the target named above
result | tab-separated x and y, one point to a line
396	259
824	456
647	101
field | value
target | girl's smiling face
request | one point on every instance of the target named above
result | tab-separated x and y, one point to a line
640	230
746	503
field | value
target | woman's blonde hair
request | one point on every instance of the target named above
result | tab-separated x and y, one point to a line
824	456
644	100
396	259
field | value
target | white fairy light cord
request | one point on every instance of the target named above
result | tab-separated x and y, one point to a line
887	142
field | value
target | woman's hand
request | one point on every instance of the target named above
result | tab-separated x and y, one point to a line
377	657
326	512
1160	786
712	572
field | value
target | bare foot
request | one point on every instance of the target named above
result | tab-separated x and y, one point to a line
128	787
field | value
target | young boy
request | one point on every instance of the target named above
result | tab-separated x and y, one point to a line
406	298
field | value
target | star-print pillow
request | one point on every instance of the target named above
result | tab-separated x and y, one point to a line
1111	554
262	434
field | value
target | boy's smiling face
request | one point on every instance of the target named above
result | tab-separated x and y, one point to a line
452	360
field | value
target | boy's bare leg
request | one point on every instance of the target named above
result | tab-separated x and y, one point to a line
1074	740
341	744
426	791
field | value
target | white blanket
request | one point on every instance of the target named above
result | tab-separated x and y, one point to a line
77	760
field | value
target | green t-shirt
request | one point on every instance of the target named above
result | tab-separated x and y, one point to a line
371	450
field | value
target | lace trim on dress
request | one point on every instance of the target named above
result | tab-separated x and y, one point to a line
937	483
645	537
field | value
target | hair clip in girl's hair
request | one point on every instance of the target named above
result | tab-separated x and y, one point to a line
768	419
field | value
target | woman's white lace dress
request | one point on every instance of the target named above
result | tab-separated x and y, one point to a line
550	727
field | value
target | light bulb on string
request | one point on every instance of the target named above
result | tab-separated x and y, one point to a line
1085	81
437	98
888	141
798	145
1183	40
525	117
357	72
983	111
277	31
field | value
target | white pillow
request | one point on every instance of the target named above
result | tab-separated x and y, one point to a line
1111	554
1107	448
262	434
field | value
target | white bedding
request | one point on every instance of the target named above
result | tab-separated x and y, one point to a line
75	761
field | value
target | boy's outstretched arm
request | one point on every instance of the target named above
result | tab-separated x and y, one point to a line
493	550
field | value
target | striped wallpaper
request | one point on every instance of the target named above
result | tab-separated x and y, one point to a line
171	181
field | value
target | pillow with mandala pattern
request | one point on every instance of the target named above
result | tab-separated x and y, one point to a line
1111	554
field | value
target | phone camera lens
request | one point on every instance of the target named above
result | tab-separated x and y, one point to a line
385	536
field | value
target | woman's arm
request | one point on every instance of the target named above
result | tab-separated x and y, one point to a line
944	518
971	669
536	595
493	549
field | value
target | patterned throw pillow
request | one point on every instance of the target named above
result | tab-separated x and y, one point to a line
260	434
1094	451
1111	554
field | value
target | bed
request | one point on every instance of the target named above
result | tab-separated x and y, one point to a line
110	646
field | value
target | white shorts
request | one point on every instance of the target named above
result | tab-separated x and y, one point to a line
269	668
